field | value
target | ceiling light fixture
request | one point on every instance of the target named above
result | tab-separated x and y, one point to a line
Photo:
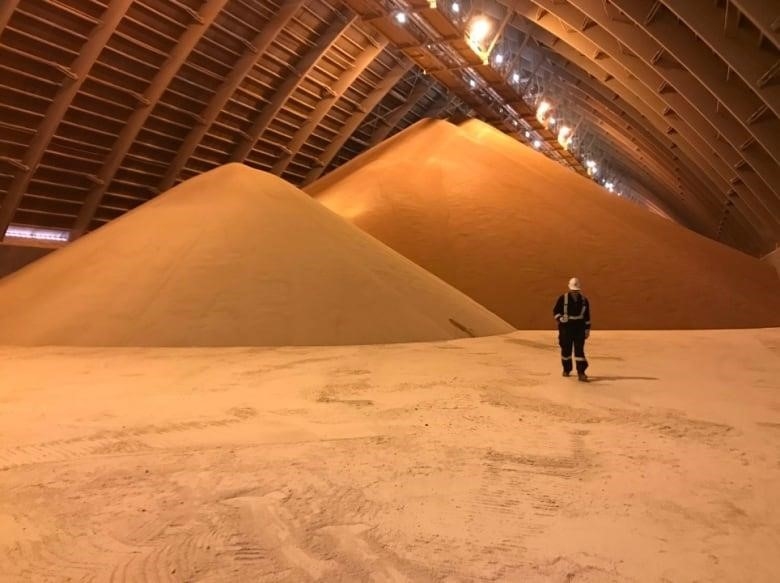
543	109
479	29
565	137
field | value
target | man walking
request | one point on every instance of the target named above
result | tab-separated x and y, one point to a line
572	312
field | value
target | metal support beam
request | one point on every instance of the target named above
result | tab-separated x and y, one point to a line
663	181
389	124
189	39
710	71
613	91
6	10
647	156
499	31
703	204
438	106
709	167
689	100
80	68
612	106
288	87
694	101
746	59
765	20
338	89
369	103
676	110
255	51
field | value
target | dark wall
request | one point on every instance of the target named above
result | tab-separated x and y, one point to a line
13	256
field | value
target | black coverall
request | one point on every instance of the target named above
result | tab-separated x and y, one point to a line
572	312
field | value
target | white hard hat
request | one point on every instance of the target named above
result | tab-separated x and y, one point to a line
574	284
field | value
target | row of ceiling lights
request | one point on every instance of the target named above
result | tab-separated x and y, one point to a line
478	31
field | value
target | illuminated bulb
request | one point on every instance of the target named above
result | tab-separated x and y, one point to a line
401	17
527	134
499	59
472	83
516	77
455	7
590	164
564	136
537	144
542	110
480	29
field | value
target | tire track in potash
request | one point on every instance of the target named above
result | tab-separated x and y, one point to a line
517	491
125	441
65	556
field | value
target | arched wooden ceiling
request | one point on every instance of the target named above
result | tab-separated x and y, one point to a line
105	103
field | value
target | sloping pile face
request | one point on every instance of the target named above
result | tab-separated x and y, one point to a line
509	227
234	257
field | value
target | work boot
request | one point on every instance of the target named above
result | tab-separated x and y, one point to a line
566	373
582	377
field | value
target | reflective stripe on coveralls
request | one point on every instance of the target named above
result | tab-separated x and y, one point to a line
565	318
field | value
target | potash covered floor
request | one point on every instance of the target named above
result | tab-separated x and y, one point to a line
465	460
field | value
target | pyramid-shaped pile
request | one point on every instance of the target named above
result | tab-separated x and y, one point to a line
234	257
509	227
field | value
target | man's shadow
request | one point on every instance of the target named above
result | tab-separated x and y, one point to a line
606	378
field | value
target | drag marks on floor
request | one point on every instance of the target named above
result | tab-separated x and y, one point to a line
110	442
669	422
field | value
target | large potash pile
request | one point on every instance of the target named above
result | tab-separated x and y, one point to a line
509	227
234	257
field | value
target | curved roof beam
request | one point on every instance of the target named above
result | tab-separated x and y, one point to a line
581	103
612	128
726	163
387	124
746	104
442	106
6	10
763	19
687	187
688	143
623	147
389	80
259	45
579	84
79	70
300	71
616	92
631	169
636	185
739	235
187	42
736	47
648	158
688	99
337	90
